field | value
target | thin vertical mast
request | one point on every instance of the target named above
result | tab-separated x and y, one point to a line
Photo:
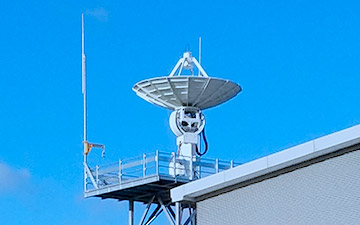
199	52
83	67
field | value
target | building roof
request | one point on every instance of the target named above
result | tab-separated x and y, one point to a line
266	165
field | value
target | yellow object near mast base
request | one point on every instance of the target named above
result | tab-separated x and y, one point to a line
89	146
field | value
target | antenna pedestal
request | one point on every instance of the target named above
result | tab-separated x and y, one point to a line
186	123
183	163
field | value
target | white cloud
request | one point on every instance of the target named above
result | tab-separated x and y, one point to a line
12	178
100	13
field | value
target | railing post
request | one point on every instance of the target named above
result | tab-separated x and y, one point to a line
144	165
199	167
174	160
216	165
191	169
120	171
231	163
157	162
85	178
97	175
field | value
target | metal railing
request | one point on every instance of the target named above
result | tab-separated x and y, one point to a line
163	164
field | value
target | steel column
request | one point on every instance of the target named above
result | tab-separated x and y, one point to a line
177	215
131	212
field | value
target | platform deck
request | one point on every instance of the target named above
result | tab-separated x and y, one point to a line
139	179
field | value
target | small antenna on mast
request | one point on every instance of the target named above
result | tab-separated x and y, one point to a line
199	52
83	55
83	76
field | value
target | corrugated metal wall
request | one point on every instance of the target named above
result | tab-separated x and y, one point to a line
327	192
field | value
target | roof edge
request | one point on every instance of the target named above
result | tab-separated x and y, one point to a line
279	160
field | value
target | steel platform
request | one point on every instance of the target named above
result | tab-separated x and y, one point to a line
140	178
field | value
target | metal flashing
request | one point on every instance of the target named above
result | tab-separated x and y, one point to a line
265	165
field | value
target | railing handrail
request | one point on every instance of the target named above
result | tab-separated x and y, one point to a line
157	163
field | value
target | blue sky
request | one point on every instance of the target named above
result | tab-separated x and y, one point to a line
297	62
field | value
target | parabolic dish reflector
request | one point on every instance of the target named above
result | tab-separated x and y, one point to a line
194	91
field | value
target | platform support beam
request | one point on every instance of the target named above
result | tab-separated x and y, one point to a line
153	216
131	212
146	210
168	215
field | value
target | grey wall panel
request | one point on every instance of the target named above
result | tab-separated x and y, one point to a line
326	192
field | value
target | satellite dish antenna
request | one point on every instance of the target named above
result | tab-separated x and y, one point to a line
187	96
